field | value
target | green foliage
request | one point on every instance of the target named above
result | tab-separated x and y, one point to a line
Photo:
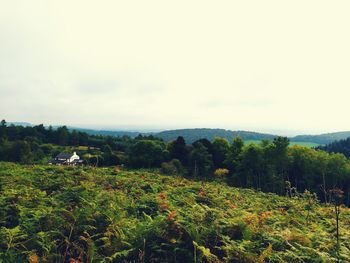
325	138
174	167
178	150
61	214
265	166
341	146
192	135
147	154
201	161
220	151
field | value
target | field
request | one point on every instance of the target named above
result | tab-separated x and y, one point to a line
74	214
305	144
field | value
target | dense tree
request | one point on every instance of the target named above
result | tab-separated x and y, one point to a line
20	152
201	161
178	150
74	138
147	153
206	143
250	168
220	150
276	157
233	155
341	146
62	135
3	130
174	167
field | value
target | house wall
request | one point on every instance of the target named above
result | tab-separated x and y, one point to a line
74	157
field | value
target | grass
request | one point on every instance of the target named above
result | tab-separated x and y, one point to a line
305	144
61	214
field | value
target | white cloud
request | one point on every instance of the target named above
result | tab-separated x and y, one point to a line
250	65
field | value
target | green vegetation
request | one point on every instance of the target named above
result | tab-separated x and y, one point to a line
325	138
192	135
76	214
304	144
38	144
265	166
341	146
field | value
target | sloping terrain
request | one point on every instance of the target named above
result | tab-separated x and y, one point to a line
61	214
191	135
325	138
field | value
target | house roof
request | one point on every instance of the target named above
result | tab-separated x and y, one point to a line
64	155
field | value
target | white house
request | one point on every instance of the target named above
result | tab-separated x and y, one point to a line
67	159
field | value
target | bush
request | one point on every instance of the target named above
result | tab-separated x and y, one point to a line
221	172
174	167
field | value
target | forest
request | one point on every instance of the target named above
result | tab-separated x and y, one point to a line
269	166
338	146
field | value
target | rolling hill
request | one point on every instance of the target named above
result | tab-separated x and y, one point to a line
116	133
323	138
191	135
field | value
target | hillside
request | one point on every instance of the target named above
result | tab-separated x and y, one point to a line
118	133
24	124
191	135
61	214
325	138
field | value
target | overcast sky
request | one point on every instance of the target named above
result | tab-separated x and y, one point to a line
254	65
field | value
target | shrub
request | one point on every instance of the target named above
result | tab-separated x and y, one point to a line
221	172
174	167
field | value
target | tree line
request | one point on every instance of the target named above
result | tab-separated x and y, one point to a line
271	166
339	146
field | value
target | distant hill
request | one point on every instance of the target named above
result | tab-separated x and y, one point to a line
325	138
131	134
191	135
24	124
116	133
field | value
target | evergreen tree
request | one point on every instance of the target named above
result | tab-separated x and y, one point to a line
178	150
220	151
201	161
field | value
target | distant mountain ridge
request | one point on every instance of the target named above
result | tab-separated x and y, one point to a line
194	134
131	134
324	138
191	135
24	124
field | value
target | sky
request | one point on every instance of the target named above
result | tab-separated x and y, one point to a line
271	66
